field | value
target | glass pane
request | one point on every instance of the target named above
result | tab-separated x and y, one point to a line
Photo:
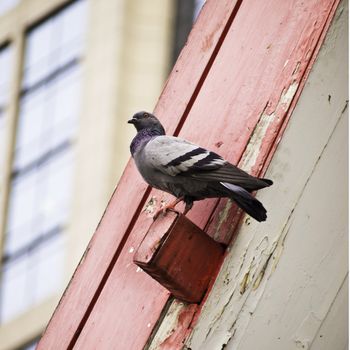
55	43
15	295
48	117
73	29
20	230
55	201
7	5
49	268
37	53
64	104
33	117
198	4
31	346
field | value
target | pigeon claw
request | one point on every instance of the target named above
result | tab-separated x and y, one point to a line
170	207
163	212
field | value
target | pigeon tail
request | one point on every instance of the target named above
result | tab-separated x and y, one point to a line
268	182
246	201
258	185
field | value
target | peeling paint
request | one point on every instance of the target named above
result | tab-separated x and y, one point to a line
151	206
254	267
244	283
223	216
301	344
248	220
278	246
260	265
253	148
296	69
287	96
177	318
242	260
261	274
258	280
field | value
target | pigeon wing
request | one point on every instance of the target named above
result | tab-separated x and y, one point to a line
177	157
174	156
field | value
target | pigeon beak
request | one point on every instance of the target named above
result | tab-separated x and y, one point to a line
132	121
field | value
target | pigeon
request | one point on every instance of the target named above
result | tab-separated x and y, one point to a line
190	172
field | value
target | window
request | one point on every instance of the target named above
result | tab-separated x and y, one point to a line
186	13
40	196
30	346
198	4
5	75
7	5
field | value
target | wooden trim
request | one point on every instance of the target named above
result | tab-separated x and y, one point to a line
26	14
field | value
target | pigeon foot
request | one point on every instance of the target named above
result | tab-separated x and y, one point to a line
170	207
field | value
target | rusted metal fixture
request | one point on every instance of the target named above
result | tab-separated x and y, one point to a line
180	256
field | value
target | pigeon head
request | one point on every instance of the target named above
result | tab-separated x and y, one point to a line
144	120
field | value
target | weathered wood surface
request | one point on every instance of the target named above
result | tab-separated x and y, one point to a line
233	85
309	36
282	285
131	193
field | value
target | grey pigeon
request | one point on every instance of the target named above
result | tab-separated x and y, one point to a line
190	172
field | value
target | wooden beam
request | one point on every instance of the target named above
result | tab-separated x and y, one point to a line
131	193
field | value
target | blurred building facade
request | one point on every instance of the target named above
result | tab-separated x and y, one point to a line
71	74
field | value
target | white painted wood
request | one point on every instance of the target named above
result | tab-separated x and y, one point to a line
335	325
282	283
290	309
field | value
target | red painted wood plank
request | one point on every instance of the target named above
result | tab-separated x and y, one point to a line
305	71
279	106
131	193
256	64
194	62
238	94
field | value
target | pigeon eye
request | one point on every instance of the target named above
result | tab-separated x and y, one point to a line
145	115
